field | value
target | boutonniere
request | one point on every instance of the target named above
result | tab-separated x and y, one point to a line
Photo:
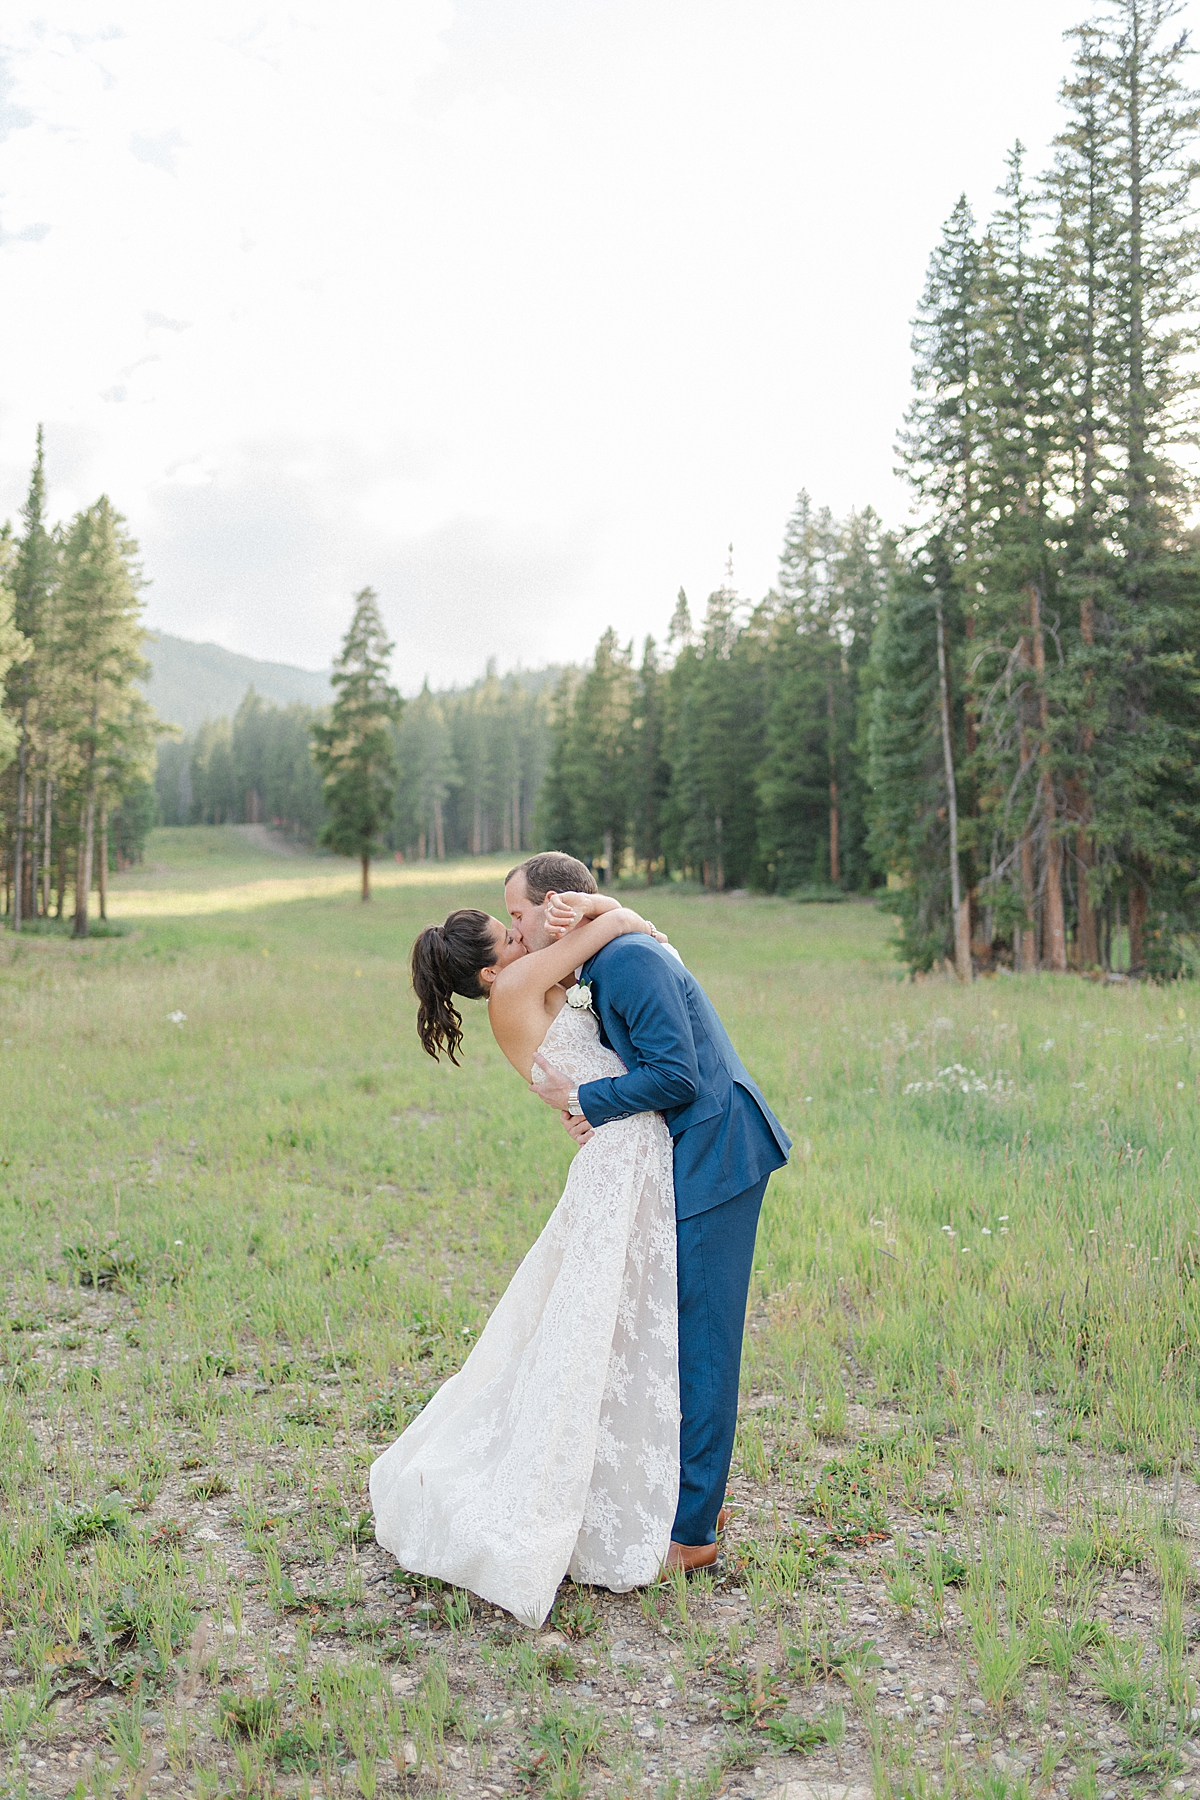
579	996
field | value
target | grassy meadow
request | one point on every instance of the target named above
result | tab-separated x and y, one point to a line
246	1228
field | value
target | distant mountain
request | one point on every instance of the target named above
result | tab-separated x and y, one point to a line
193	682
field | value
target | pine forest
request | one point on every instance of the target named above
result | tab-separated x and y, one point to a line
989	712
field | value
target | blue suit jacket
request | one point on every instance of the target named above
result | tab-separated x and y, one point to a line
663	1026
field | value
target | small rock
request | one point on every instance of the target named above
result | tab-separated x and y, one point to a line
410	1753
976	1707
645	1731
938	1702
207	1535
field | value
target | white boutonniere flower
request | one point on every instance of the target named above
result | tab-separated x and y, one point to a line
579	996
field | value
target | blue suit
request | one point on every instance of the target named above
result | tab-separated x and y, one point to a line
680	1062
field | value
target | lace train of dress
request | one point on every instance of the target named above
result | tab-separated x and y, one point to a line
555	1448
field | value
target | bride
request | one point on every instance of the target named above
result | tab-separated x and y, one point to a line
555	1449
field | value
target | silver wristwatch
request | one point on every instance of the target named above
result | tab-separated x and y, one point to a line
573	1106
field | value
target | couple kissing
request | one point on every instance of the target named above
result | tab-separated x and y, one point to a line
590	1430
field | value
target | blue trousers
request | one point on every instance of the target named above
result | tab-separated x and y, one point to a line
715	1261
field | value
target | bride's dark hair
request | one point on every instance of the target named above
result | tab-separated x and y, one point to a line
446	960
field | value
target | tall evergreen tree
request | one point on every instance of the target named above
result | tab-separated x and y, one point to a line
1018	554
1147	634
100	636
601	760
354	750
715	712
33	581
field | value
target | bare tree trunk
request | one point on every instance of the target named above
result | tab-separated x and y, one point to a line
19	853
1089	943
1139	906
88	847
34	871
608	858
420	846
834	874
366	876
62	880
1054	924
1025	946
960	908
476	831
104	862
47	809
719	823
439	829
834	866
516	812
83	867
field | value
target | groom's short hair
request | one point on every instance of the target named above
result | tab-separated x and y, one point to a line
553	872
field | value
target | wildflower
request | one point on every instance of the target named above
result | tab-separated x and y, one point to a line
987	1231
176	1018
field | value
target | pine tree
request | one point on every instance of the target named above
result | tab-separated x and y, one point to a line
910	802
33	581
14	648
809	722
99	640
1147	634
555	825
715	714
1076	190
1016	564
601	759
354	750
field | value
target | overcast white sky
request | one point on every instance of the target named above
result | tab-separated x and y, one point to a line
518	310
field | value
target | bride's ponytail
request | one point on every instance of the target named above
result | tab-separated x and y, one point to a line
446	960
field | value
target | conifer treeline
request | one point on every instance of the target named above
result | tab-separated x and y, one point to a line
1000	713
1055	387
469	762
737	758
76	735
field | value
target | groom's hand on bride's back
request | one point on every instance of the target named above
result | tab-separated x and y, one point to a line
577	1127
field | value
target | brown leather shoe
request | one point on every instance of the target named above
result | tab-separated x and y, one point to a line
690	1556
722	1518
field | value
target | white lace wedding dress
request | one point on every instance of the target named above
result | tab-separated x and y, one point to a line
555	1448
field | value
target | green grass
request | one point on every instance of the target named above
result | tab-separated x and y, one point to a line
243	1246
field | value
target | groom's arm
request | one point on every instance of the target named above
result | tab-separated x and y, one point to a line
643	989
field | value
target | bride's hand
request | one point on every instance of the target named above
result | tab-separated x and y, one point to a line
565	911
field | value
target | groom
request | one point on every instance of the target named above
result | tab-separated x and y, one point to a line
662	1025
